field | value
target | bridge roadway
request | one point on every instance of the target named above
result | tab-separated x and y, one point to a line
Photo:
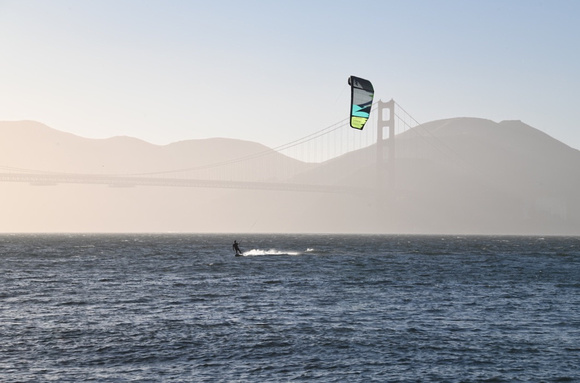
48	179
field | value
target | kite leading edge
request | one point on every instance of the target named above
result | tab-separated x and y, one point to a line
361	100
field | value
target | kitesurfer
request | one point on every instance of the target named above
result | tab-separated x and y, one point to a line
236	248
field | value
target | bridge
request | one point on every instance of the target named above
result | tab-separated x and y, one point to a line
119	181
312	150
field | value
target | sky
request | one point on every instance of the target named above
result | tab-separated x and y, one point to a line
275	71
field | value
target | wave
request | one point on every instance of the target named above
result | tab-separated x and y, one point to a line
255	252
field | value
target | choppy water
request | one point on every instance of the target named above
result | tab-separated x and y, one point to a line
149	308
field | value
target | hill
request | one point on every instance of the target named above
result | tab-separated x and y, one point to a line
33	146
460	176
470	176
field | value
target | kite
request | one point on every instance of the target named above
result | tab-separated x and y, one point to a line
361	100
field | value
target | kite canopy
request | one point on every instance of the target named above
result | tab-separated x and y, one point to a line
361	100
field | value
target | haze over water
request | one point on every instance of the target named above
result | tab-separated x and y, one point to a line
461	175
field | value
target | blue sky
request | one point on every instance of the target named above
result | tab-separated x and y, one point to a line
275	71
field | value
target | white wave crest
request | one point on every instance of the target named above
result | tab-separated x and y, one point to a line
254	252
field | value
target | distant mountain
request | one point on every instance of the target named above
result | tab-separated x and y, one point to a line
33	146
454	176
469	175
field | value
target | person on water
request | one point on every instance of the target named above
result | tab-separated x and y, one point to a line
236	247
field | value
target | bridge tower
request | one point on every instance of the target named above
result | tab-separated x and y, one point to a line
385	173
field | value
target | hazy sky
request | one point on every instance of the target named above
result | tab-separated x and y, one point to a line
274	71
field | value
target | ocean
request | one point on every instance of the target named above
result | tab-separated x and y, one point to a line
304	308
